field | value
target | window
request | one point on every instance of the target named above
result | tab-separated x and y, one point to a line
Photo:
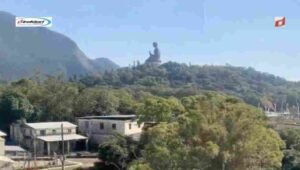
69	130
101	125
43	132
129	125
54	131
114	126
86	124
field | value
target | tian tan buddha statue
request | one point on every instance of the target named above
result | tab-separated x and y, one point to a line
155	57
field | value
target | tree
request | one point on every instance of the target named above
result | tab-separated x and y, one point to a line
119	151
107	102
56	102
158	109
216	132
139	165
114	152
291	160
127	104
290	136
86	103
14	106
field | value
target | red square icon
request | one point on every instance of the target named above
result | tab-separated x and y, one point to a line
279	21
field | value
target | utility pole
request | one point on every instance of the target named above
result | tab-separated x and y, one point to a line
282	106
63	147
34	149
298	110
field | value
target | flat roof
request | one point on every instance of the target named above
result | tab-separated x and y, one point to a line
2	134
52	125
13	148
112	117
56	138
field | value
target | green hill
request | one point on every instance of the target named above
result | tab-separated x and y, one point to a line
172	78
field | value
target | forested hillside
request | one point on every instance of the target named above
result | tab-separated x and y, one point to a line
180	79
120	91
195	119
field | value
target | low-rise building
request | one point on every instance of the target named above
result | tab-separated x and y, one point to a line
13	151
5	162
45	137
98	128
2	143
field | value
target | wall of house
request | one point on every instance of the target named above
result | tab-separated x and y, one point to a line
132	128
16	134
94	126
54	131
2	144
98	138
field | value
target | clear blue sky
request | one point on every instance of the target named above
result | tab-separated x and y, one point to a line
238	32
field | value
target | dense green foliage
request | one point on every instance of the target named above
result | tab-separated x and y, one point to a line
208	131
214	132
291	137
291	160
197	128
179	80
14	106
118	151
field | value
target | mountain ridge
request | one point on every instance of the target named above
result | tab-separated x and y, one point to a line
25	50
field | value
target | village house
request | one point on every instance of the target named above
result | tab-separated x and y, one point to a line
98	128
2	143
5	163
15	152
46	138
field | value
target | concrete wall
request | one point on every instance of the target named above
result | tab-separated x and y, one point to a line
52	131
2	144
98	138
93	126
132	128
16	134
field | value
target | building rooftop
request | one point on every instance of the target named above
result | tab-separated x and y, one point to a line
276	114
111	117
56	138
13	148
2	134
52	125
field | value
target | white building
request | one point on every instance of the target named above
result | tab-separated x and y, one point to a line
5	163
15	152
98	128
2	143
46	137
270	114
